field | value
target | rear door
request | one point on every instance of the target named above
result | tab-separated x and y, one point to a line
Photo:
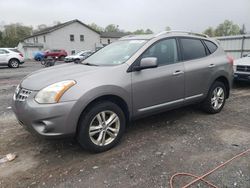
198	67
161	87
4	56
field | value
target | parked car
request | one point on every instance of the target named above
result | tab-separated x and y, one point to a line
59	53
246	55
128	79
242	69
11	57
39	56
78	56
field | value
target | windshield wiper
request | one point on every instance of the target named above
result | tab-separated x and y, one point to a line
89	64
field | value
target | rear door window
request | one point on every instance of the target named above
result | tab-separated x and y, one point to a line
211	46
192	49
2	51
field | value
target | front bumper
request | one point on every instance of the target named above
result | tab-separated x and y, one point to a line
68	60
242	76
22	62
47	120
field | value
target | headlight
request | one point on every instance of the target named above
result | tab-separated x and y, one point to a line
234	67
53	93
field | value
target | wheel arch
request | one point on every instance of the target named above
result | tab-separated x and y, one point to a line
225	81
108	97
14	58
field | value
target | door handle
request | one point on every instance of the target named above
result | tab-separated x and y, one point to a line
178	72
211	65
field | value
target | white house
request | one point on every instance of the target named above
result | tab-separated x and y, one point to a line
71	36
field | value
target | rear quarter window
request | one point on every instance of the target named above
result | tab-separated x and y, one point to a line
211	46
192	49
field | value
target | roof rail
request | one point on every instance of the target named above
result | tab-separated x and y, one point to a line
180	31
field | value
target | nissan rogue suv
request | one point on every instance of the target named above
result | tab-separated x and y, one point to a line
133	77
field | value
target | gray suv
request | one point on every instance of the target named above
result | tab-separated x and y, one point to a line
133	77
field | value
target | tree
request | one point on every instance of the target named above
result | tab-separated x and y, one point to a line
168	28
96	27
56	22
41	27
13	33
148	31
112	28
209	31
139	32
227	28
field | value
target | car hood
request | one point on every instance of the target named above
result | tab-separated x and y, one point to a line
47	76
242	61
72	56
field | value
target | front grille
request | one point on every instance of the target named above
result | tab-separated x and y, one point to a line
22	95
243	68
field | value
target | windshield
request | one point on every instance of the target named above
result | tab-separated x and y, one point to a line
115	53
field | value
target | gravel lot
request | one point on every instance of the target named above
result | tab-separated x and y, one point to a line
151	151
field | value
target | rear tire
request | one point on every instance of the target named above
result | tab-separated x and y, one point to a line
61	58
101	126
215	99
13	63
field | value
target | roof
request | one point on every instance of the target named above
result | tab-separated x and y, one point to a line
59	26
25	44
113	34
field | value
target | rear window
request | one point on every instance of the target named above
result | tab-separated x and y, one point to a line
211	46
192	48
14	50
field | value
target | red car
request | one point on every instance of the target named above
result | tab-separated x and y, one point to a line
56	53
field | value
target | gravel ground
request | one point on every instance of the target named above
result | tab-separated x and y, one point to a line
151	151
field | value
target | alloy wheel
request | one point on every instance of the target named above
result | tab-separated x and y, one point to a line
218	97
14	63
104	128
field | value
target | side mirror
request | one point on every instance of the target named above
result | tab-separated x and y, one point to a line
146	63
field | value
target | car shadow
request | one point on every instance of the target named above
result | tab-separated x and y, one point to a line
6	67
165	120
241	85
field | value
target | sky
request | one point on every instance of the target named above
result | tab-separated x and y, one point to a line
190	15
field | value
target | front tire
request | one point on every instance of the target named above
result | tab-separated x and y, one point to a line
215	99
13	63
101	126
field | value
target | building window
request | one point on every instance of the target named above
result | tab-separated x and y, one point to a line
81	38
108	41
36	39
72	38
73	52
44	38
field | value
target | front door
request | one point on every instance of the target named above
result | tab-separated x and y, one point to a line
161	87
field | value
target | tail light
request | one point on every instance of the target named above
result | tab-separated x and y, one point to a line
230	59
21	55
